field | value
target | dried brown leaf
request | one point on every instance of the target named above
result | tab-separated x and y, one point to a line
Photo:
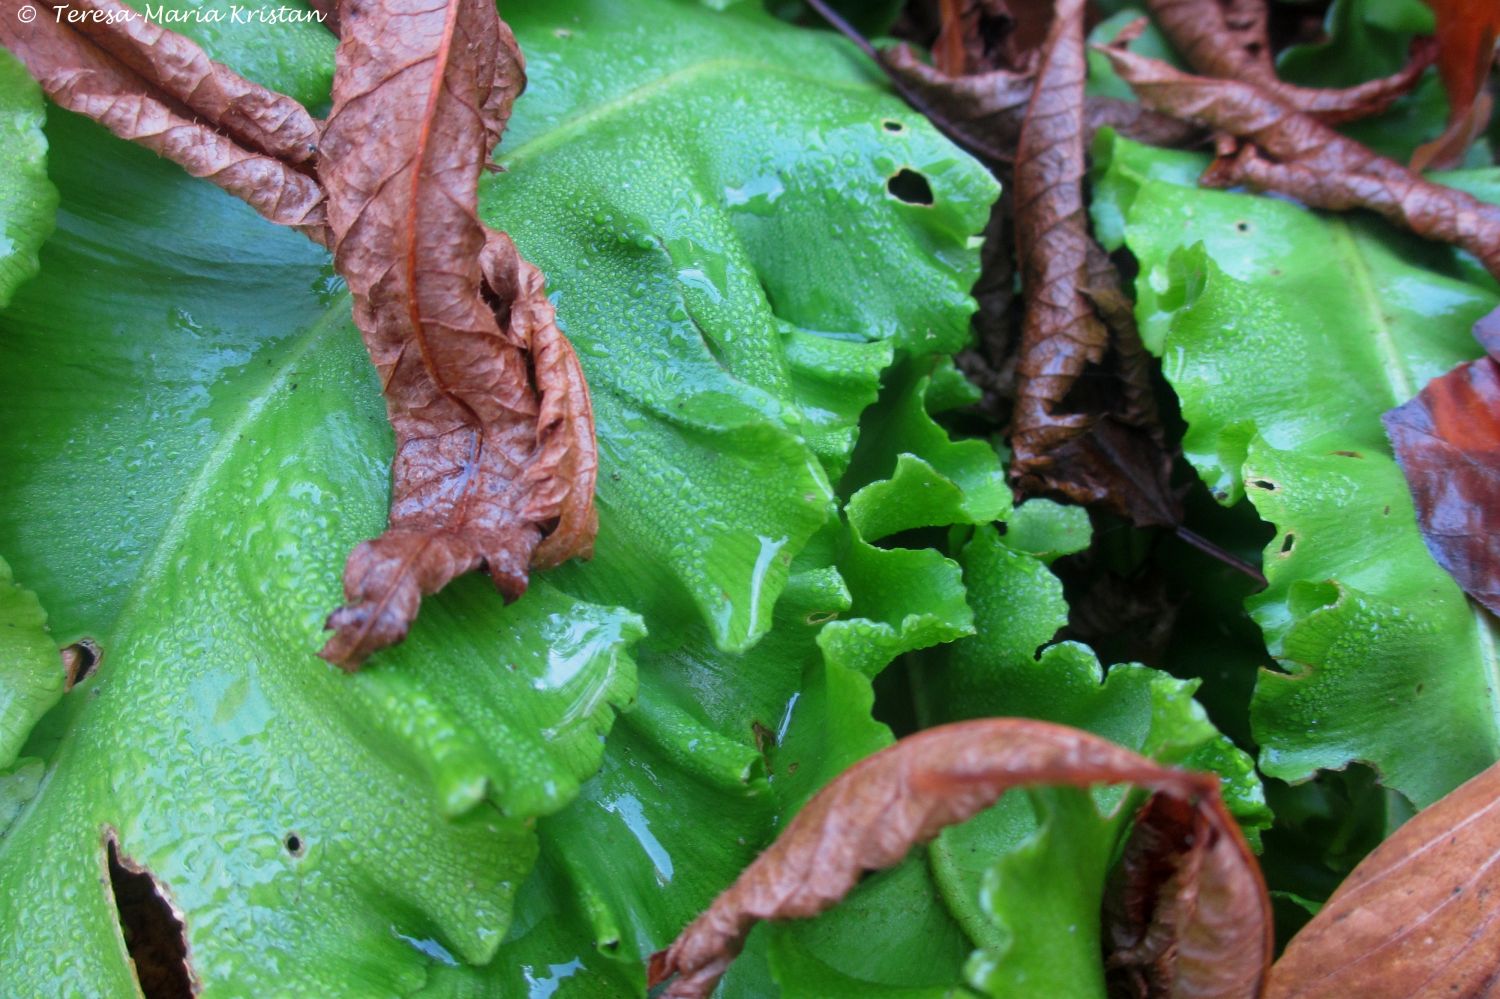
872	814
495	455
1283	150
1447	441
1228	39
158	89
984	110
1108	451
1419	918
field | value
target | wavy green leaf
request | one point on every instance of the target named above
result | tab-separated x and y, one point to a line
27	198
203	442
1286	333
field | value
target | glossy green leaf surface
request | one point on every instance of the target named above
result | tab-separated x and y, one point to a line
1286	333
204	442
27	198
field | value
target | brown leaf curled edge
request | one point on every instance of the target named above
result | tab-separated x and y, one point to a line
1447	441
1075	312
1418	918
495	457
1292	153
1215	919
1228	39
158	89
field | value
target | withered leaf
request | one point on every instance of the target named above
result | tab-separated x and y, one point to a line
495	456
158	89
872	814
1293	153
1417	918
1447	441
1466	35
1108	452
985	109
1228	39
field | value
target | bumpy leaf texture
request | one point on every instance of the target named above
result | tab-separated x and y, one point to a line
158	89
1447	440
495	457
28	200
1416	917
871	815
1228	39
421	826
1286	334
1293	153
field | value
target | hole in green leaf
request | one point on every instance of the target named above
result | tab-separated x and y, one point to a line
911	187
1287	543
891	125
79	661
1266	484
151	928
293	844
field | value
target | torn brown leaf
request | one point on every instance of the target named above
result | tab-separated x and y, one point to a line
1291	153
1228	39
495	456
872	814
1108	449
1418	918
158	89
1447	441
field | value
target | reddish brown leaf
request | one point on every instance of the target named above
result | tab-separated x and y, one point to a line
1466	34
872	814
1419	918
1101	453
158	89
1447	441
1283	150
1227	39
495	458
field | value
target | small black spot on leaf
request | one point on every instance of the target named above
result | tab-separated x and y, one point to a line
293	844
891	125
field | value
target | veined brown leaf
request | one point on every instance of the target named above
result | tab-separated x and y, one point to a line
1212	916
1417	918
1293	153
157	88
1108	454
1447	441
495	457
1228	39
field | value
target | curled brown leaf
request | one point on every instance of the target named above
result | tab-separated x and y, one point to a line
158	89
1283	150
872	814
1447	441
1111	452
1418	918
1228	39
495	455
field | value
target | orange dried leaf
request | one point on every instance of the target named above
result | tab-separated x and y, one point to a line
495	455
1215	931
1418	918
